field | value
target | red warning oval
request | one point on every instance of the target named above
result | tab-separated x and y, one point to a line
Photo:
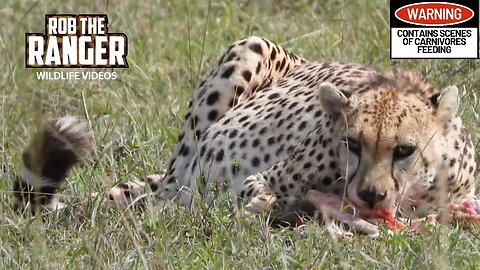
434	14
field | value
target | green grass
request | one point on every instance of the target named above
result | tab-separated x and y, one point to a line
172	45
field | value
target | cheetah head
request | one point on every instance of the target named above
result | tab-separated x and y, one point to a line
389	137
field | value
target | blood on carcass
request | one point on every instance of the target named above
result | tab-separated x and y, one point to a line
389	218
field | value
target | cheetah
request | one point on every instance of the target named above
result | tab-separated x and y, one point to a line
272	126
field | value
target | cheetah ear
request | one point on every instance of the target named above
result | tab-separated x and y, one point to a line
447	103
332	99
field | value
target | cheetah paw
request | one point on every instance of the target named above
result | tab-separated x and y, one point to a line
261	205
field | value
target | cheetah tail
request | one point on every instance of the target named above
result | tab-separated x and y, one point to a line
55	149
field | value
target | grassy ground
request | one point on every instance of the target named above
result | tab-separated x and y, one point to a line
172	45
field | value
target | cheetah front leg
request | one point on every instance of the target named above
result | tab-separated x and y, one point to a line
268	191
336	213
134	194
259	196
465	204
248	66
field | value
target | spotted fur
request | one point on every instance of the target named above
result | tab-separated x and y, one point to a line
271	126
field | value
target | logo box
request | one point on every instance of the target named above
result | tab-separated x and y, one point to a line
76	41
434	29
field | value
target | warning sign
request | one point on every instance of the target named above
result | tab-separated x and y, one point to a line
434	29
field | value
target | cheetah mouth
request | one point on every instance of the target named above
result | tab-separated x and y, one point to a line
367	211
361	219
333	203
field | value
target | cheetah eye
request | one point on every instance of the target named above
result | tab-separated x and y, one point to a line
403	151
353	145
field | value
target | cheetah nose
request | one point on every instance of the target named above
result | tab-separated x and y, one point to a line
371	196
